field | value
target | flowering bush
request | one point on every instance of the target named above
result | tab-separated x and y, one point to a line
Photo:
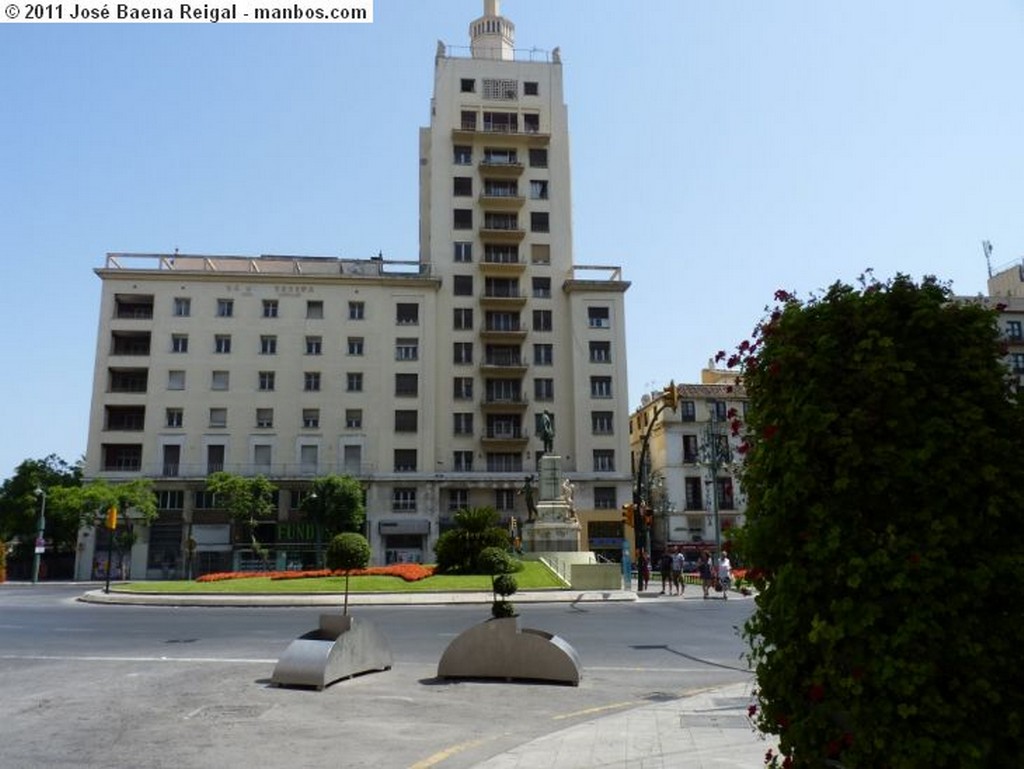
410	572
885	530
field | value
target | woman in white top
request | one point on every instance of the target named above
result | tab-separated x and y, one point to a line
724	574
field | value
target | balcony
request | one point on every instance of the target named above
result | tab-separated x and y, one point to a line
502	267
498	300
499	201
504	438
530	135
501	234
503	364
501	403
501	167
503	333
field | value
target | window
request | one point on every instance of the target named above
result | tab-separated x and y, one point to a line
540	253
462	186
355	345
463	251
688	411
542	320
605	498
311	418
694	498
501	254
462	285
502	122
462	461
225	308
179	342
604	460
504	462
458	499
467	85
462	388
175	417
505	500
500	156
601	422
463	352
597	317
690	449
407	349
505	222
502	321
1014	330
314	345
170	500
544	389
531	122
354	419
500	188
403	500
264	417
356	310
600	352
543	355
182	307
462	319
268	345
468	120
222	344
405	421
354	382
721	410
462	219
406	385
407	314
500	89
531	88
539	158
269	308
538	189
404	460
261	453
175	380
600	387
218	417
314	309
220	380
723	486
309	457
1017	363
463	423
462	155
311	381
266	381
541	288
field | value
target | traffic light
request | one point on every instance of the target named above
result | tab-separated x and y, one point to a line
648	518
512	525
111	517
627	514
671	395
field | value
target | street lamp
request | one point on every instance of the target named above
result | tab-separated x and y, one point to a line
642	489
40	538
714	454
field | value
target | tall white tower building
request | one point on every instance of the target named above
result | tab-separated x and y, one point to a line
424	378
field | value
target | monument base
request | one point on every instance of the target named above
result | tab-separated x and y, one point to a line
556	537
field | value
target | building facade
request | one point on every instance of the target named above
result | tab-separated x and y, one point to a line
690	463
425	379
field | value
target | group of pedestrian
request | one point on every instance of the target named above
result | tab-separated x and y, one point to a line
671	569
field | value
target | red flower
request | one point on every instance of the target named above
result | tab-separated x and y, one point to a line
770	431
782	296
743	448
816	693
783	721
719	356
752	711
1000	307
735	426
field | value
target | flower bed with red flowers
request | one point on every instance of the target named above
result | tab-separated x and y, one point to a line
410	572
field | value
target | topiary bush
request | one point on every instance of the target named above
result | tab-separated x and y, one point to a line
884	530
346	552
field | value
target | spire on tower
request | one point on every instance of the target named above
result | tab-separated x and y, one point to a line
492	36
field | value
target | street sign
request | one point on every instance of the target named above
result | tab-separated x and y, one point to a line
40	545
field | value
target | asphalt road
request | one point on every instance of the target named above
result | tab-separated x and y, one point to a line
151	687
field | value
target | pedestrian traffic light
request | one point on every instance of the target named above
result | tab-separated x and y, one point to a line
111	517
627	514
671	395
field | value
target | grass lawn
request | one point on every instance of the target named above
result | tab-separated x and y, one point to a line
534	576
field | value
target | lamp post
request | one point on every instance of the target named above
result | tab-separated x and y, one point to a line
642	488
714	454
40	544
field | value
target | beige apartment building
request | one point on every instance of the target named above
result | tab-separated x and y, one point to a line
424	378
691	462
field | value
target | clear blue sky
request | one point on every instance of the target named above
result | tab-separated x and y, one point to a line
720	150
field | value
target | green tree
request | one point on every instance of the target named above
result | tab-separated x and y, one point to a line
500	564
20	505
334	505
247	501
885	529
346	552
458	550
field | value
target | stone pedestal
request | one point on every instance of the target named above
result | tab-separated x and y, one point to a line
555	528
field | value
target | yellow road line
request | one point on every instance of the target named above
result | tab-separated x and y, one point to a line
444	755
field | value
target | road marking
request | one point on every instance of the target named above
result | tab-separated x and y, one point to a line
46	658
444	755
600	709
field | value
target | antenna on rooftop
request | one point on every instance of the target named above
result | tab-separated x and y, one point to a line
986	246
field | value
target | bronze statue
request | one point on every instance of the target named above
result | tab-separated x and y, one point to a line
547	431
531	500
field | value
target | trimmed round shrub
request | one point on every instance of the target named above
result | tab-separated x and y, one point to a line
348	551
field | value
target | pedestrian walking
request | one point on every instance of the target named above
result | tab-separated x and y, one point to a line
725	574
665	567
704	570
677	570
643	571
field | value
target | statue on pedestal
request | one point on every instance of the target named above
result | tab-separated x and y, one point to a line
531	500
547	431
